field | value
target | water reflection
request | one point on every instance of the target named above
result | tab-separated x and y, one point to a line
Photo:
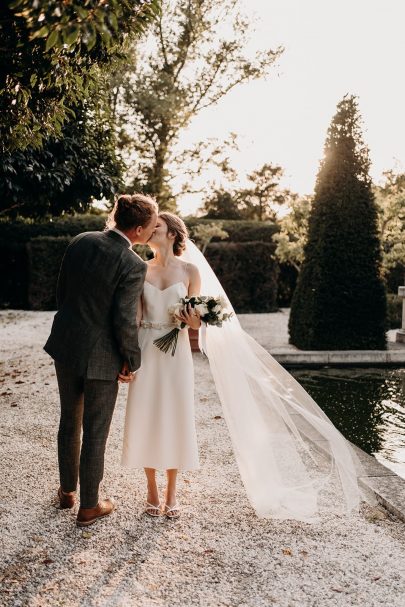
367	405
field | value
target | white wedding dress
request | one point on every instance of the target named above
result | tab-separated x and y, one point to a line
292	460
160	422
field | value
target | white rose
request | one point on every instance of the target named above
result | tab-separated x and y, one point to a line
201	309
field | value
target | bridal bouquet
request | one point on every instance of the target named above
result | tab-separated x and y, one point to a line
212	311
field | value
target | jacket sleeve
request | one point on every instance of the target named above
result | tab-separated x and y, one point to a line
126	299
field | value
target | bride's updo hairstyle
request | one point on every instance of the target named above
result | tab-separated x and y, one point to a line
177	227
131	211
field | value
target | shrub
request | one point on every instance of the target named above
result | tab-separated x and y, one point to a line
248	272
31	254
45	254
394	311
14	274
287	281
339	302
240	231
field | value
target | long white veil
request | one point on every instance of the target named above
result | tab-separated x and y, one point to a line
292	460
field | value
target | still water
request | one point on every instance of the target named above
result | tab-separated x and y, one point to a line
367	405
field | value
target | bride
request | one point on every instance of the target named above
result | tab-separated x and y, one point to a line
293	462
159	425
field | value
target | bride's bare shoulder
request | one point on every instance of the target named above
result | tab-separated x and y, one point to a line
191	269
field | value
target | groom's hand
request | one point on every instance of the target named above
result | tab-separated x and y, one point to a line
125	376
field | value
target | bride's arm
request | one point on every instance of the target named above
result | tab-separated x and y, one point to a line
139	312
194	285
191	317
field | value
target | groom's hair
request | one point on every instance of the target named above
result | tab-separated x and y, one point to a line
131	211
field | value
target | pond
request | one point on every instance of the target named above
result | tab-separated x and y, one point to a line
366	404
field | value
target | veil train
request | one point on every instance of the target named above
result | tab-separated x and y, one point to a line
292	460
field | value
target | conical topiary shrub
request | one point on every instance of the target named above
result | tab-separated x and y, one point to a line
339	302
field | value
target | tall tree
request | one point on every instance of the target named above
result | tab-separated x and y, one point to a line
50	53
68	171
340	301
195	55
221	204
260	199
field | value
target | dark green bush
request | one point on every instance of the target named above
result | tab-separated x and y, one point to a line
31	254
248	272
45	254
340	302
14	274
287	281
240	231
24	230
394	311
395	278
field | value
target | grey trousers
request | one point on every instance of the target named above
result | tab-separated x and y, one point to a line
88	404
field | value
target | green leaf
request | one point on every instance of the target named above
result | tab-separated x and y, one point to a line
82	12
71	36
15	4
52	40
41	33
33	79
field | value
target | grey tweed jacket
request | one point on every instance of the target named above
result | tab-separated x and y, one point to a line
94	330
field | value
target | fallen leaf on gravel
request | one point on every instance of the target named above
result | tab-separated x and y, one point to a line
14	405
377	577
337	589
287	551
36	538
209	551
87	534
218	417
304	552
20	381
375	515
185	480
47	561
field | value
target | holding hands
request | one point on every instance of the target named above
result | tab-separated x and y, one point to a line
125	376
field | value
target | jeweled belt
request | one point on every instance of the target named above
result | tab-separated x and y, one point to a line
146	324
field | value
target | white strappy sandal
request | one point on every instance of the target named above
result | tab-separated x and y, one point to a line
172	511
152	510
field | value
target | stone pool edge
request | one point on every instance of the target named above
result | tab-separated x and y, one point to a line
385	484
338	358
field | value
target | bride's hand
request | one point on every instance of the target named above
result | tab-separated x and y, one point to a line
191	317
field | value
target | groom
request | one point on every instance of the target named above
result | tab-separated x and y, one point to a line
94	344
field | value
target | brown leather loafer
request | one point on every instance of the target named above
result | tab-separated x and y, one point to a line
66	500
88	516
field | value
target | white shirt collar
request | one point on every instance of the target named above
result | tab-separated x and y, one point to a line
123	235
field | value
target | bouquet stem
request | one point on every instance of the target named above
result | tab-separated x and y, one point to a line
168	342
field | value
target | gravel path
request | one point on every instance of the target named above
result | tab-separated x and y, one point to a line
217	554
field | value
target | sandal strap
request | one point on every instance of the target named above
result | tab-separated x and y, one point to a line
171	508
149	506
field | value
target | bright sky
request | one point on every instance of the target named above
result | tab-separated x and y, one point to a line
331	48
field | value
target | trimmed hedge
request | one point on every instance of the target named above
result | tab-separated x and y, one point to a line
394	311
31	255
248	272
239	231
14	275
287	282
45	255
